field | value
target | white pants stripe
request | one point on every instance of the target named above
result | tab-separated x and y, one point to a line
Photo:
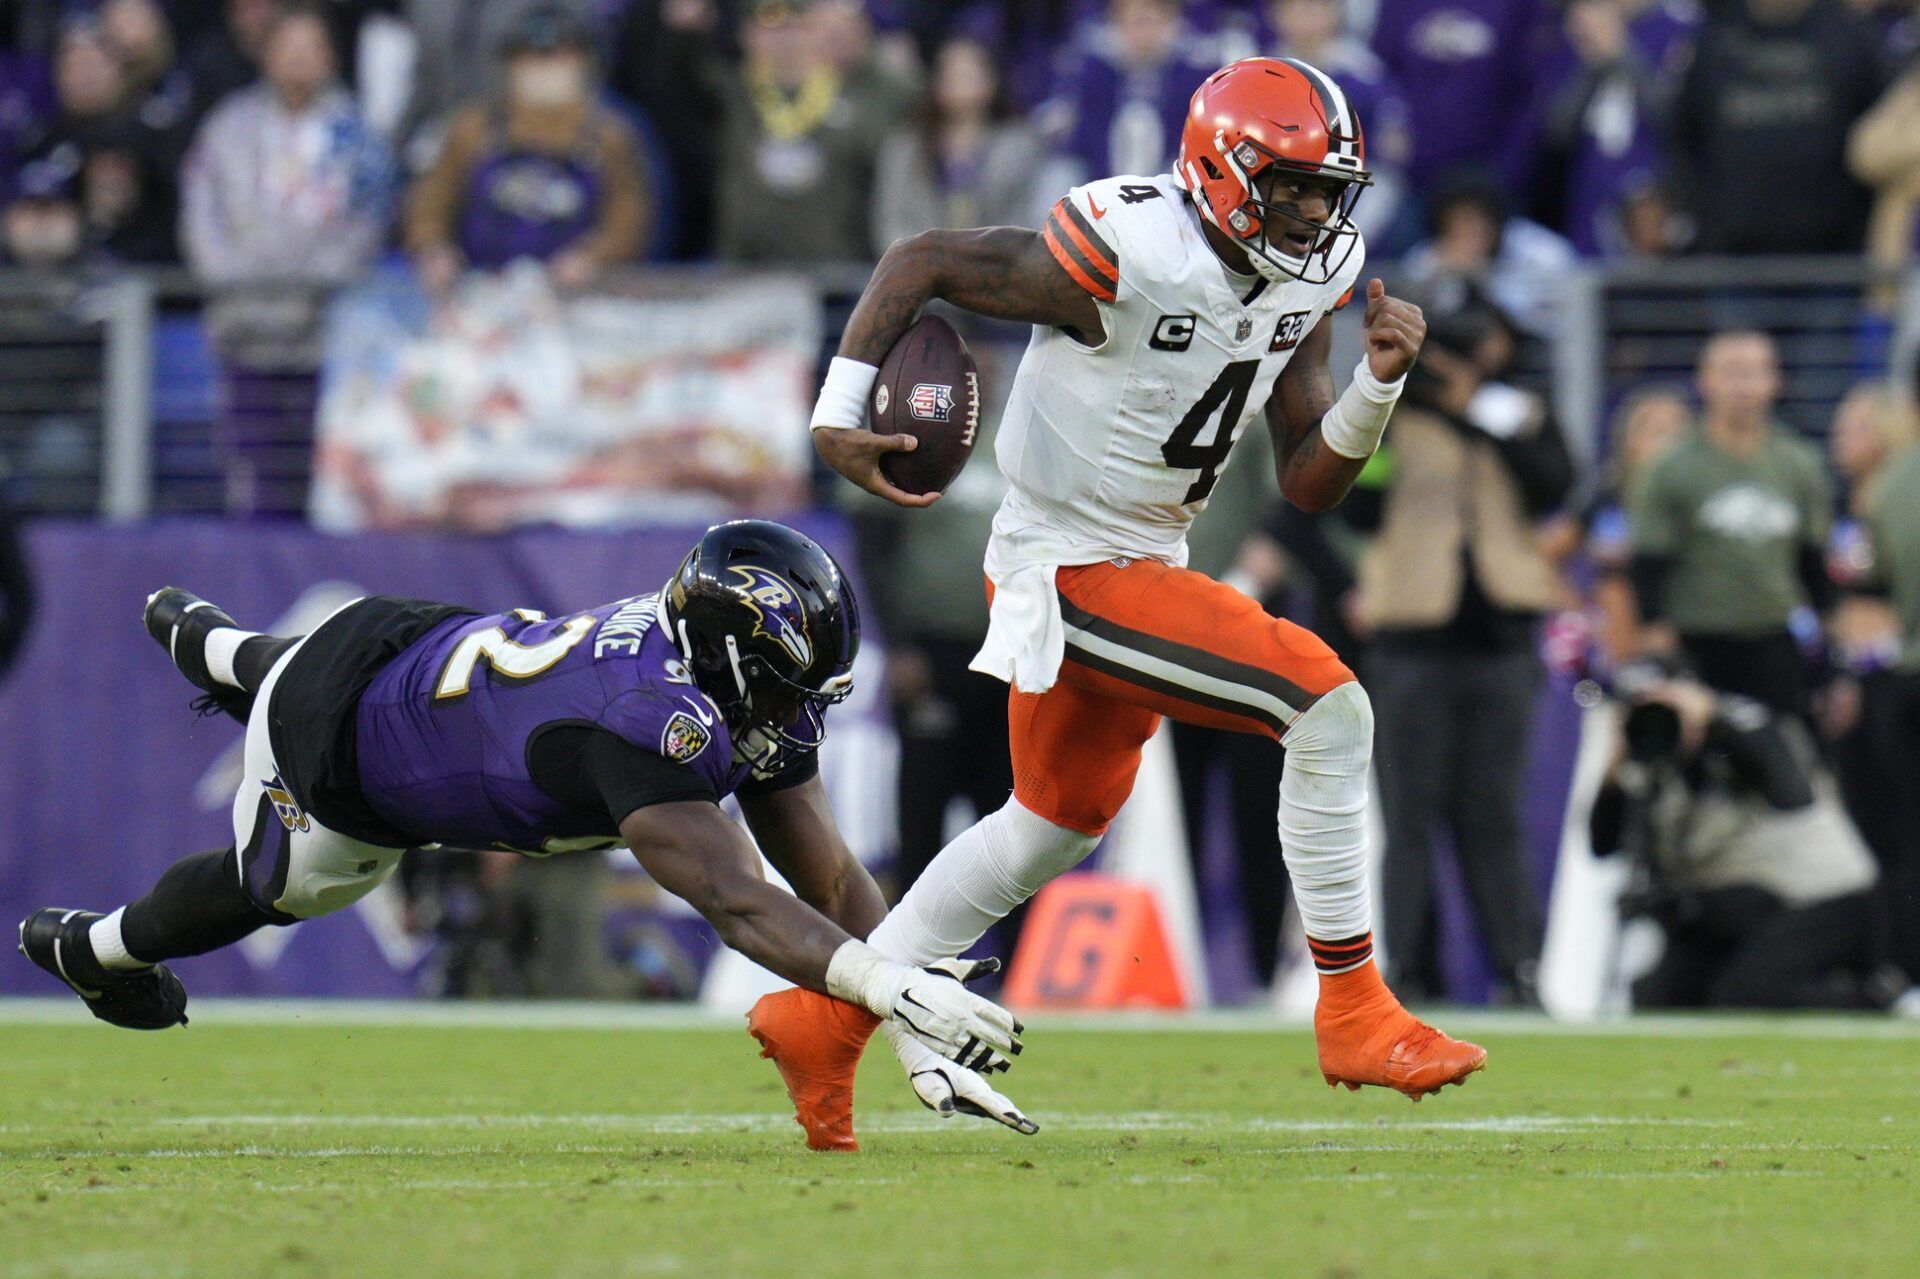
289	862
1159	668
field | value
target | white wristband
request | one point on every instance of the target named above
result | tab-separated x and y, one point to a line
1354	425
862	975
842	405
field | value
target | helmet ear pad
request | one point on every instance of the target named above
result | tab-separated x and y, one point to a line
705	602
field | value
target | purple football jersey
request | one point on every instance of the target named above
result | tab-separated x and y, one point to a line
445	730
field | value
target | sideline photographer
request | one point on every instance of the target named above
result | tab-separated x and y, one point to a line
1742	854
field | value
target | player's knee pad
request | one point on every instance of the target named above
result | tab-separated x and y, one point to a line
1028	850
1335	734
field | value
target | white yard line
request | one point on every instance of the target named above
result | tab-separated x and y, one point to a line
607	1016
692	1124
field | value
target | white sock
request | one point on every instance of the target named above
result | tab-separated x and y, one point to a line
223	645
1323	805
976	881
104	937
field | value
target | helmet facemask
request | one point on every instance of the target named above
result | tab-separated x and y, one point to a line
791	714
1333	241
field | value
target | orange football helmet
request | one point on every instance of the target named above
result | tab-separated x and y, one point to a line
1262	113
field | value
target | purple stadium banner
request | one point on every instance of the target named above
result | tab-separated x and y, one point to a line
108	778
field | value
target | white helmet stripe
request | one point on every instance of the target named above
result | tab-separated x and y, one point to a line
1343	132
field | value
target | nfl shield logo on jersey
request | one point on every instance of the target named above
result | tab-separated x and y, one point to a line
931	401
683	738
1243	330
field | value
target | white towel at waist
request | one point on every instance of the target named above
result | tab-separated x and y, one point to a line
1026	637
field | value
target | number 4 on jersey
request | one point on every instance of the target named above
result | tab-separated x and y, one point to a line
1228	394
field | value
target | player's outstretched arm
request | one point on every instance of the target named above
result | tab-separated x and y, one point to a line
795	829
1320	444
1005	273
1002	272
696	852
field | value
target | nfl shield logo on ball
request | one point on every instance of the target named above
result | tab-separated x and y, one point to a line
683	738
881	398
931	402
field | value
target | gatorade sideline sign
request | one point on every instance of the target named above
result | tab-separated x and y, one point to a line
1093	941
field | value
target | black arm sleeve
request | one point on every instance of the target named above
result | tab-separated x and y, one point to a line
1649	574
1814	578
600	774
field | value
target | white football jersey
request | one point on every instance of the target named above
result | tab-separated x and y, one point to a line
1116	447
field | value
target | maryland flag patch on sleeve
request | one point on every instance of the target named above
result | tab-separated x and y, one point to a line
683	738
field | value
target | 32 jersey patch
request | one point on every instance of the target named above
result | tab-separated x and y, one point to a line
1288	332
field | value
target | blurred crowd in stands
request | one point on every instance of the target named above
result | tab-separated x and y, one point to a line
1714	563
300	137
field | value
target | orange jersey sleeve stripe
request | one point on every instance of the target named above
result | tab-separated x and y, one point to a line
1091	241
1087	237
1076	265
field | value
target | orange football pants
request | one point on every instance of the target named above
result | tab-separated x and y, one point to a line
1145	639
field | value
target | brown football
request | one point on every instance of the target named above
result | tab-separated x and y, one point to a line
929	388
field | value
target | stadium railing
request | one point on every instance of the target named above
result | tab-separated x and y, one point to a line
110	386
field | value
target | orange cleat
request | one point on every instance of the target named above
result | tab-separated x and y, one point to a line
816	1041
1366	1037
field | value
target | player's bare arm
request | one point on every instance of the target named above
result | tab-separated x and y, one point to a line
795	829
696	852
1004	273
1313	475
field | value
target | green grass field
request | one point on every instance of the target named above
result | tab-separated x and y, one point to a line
448	1142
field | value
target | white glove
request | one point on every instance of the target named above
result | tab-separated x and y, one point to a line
947	1088
931	1003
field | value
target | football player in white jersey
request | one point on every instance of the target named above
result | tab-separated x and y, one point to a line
1169	311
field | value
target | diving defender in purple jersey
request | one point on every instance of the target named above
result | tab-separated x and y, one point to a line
403	724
